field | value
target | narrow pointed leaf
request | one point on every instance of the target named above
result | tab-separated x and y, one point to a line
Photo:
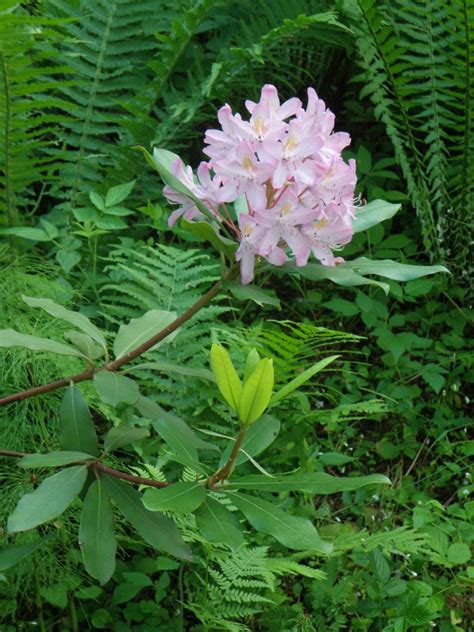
119	193
256	392
139	330
50	499
84	343
115	389
15	554
217	524
53	459
373	213
393	270
168	367
178	497
175	432
12	338
76	431
292	531
123	435
155	528
313	483
258	437
96	533
75	318
298	381
226	376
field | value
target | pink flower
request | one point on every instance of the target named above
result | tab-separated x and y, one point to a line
286	162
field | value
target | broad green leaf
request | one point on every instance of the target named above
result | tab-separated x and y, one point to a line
341	274
50	499
53	459
15	554
253	293
84	343
168	367
139	330
115	389
392	269
155	528
123	435
258	437
178	497
25	232
209	232
292	531
75	318
302	378
373	213
76	430
459	553
153	411
226	376
318	483
119	193
177	435
96	533
12	338
256	392
217	524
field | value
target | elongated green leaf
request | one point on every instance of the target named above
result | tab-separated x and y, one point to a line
256	392
209	232
251	363
75	318
177	435
178	497
226	376
155	528
123	435
15	554
292	531
12	338
302	378
76	431
168	367
119	193
96	533
393	270
53	459
139	330
373	213
217	524
313	483
341	274
25	232
253	293
115	389
258	437
89	349
48	500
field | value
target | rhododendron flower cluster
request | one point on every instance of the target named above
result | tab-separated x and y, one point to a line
285	163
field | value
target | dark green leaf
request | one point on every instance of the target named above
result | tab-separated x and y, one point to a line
177	434
155	528
258	437
53	459
115	389
48	500
373	213
12	338
217	524
178	497
253	293
312	483
15	554
76	431
96	533
139	330
208	232
123	435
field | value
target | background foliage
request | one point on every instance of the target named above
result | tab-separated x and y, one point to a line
81	83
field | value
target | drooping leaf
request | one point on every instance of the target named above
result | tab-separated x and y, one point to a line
168	367
76	430
256	392
340	274
123	435
15	554
75	318
12	338
217	524
96	533
50	499
155	528
298	381
178	497
373	213
226	376
393	270
258	437
177	435
139	330
84	343
311	483
26	232
53	459
253	293
115	389
209	232
292	531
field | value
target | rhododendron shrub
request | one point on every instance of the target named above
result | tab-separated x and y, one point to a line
285	168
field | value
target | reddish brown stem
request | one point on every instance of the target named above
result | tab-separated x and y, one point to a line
226	470
119	362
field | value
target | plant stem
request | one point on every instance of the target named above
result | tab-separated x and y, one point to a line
226	470
6	144
88	373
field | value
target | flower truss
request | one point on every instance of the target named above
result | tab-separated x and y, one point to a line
285	164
